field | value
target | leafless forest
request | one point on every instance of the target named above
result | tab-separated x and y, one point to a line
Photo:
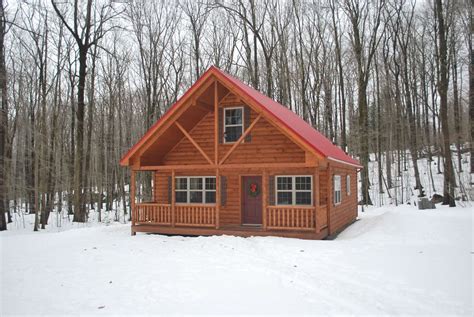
82	80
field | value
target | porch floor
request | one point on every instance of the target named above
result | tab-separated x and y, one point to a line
231	230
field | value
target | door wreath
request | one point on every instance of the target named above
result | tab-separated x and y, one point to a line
254	189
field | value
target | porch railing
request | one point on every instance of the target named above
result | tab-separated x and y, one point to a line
290	218
185	215
196	215
152	213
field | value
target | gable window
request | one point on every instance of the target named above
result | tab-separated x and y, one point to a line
348	185
294	190
196	190
233	124
337	189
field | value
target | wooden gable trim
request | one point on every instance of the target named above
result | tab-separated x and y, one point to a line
193	142
239	141
216	123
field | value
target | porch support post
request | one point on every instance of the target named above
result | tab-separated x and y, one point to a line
132	200
173	198
316	197
329	196
216	154
216	124
218	198
264	198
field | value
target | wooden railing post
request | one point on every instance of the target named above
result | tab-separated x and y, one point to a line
173	198
132	200
330	198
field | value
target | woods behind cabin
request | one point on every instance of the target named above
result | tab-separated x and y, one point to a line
81	81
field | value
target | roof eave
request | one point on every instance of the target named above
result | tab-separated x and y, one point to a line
345	162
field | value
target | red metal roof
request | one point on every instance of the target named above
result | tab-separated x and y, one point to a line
294	122
289	119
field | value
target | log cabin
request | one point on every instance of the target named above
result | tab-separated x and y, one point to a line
227	159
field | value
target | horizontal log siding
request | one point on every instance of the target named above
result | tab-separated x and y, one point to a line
346	212
323	187
161	187
230	213
268	145
322	217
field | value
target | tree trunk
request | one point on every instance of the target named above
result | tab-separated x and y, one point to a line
364	140
79	208
3	121
449	180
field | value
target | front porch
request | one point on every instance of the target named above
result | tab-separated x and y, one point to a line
202	219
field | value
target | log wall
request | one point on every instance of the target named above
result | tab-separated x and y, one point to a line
344	213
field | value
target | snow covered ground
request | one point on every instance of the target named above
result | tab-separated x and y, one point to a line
394	260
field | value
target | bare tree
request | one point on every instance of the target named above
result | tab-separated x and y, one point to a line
197	13
3	119
86	33
443	81
365	39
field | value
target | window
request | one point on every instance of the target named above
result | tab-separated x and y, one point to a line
348	185
233	124
294	190
337	189
197	190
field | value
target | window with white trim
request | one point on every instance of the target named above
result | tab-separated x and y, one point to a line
348	185
337	189
294	190
233	124
195	190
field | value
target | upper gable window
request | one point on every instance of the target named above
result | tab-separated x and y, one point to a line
233	124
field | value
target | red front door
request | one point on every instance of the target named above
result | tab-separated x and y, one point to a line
252	200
